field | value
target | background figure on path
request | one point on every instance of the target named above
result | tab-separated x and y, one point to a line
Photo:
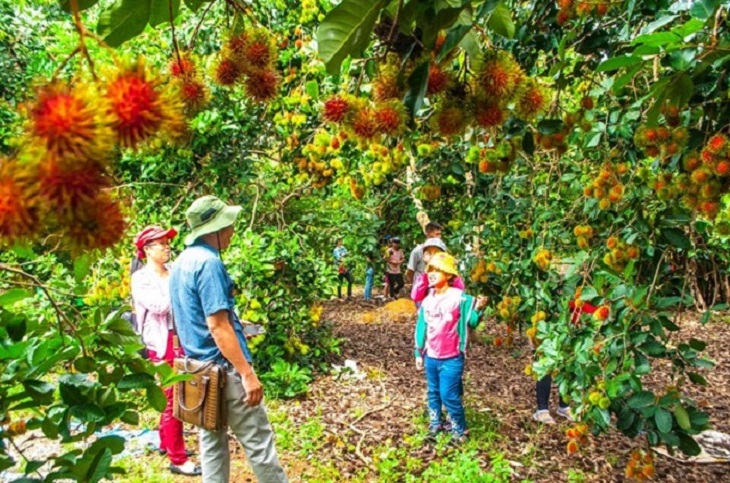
369	278
394	259
416	263
202	298
343	271
151	297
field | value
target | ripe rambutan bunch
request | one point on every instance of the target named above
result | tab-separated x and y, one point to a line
500	77
583	234
336	109
533	101
488	114
386	86
640	466
68	121
543	258
577	436
362	122
619	253
139	107
96	224
193	93
254	50
65	185
18	202
450	120
691	161
718	145
262	86
226	72
182	66
438	80
390	117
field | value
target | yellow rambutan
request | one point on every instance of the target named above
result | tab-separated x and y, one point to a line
534	100
500	76
18	196
262	86
138	106
390	118
70	121
385	86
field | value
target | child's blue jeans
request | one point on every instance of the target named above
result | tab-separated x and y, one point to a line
445	387
369	279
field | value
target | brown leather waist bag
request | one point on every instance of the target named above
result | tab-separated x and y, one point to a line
200	401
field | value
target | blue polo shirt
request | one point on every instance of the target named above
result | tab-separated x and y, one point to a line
199	287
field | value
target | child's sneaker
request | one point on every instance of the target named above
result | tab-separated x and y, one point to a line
457	439
446	426
543	416
566	413
433	432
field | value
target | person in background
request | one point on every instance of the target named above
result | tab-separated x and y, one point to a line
369	278
151	297
416	262
394	259
442	334
343	271
202	296
384	252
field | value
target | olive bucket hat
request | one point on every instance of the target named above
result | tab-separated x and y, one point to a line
209	214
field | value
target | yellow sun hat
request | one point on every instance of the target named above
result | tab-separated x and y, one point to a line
444	262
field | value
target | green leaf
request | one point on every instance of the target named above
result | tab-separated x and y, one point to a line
658	39
32	465
85	364
703	9
688	445
417	87
663	420
453	38
680	89
41	392
124	20
677	238
528	143
616	63
160	11
156	397
99	466
194	5
312	89
680	414
130	417
697	378
346	30
82	4
14	295
698	345
500	21
641	400
82	266
136	381
88	412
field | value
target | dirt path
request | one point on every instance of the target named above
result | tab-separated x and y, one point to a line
361	417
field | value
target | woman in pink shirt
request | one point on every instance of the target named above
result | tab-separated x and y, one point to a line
442	329
151	296
394	258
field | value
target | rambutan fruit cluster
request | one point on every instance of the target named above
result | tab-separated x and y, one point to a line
495	159
640	466
363	120
583	235
430	192
570	9
661	142
357	190
606	187
531	333
249	58
387	85
186	79
481	270
526	234
619	253
577	437
322	159
543	258
507	311
557	141
380	162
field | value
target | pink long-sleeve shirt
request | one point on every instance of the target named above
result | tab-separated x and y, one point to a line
151	296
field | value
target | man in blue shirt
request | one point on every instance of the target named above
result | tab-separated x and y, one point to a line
201	294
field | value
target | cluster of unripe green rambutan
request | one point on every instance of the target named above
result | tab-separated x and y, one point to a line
381	161
495	159
607	186
249	58
569	9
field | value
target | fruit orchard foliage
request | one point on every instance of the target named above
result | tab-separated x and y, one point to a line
459	119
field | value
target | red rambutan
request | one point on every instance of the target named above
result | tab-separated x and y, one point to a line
193	93
96	224
489	115
389	118
262	86
227	72
182	66
335	109
500	76
438	80
534	100
723	167
449	121
717	143
18	214
363	123
69	121
67	185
